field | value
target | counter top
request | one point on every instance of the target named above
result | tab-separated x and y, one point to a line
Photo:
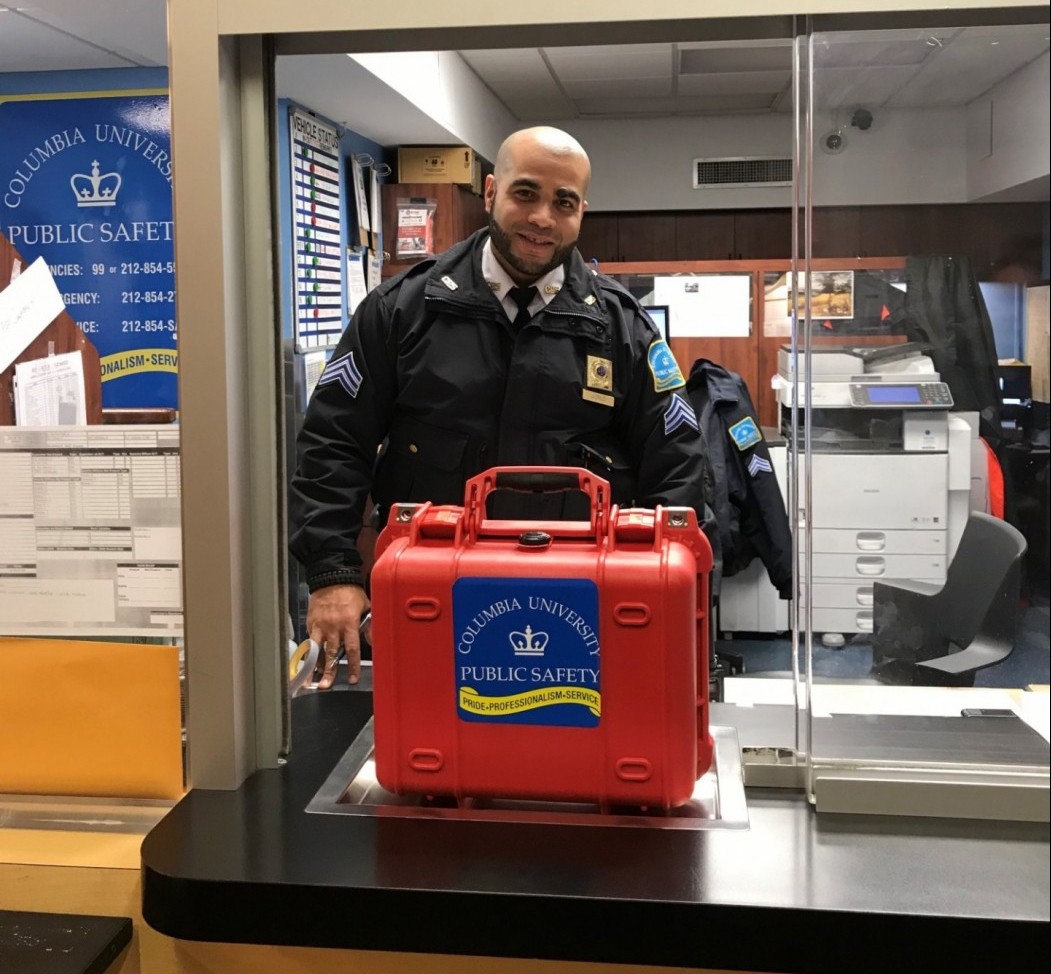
796	891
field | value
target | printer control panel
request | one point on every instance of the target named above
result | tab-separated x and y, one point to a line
900	395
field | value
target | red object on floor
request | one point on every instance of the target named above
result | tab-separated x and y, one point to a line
996	482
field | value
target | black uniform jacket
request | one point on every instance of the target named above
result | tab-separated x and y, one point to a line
742	488
430	385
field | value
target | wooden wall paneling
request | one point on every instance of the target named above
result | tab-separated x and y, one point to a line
647	236
884	230
763	234
1037	352
836	232
599	237
704	235
1013	238
736	354
766	365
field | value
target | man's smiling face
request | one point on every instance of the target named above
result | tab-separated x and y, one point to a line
535	200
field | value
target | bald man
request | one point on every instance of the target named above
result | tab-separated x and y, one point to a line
506	350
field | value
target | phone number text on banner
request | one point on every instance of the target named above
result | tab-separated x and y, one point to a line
86	184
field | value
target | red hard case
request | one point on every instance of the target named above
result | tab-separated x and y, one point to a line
562	661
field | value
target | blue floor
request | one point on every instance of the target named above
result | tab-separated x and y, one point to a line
1029	662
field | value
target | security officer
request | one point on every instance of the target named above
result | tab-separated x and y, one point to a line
505	350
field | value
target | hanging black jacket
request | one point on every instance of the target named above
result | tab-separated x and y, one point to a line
431	374
945	308
740	484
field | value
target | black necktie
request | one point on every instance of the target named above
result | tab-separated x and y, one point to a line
522	297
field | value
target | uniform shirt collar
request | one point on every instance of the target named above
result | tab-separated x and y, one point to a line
500	283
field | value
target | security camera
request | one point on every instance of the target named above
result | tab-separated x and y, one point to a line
861	119
834	141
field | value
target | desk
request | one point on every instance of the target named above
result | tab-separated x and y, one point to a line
794	892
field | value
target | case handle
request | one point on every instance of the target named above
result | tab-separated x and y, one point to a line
536	480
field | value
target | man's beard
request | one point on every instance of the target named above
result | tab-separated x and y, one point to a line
530	268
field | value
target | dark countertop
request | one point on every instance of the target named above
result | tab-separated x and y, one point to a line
796	891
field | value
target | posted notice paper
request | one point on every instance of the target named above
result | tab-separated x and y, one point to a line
27	306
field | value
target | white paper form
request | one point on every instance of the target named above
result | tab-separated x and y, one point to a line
360	200
375	271
50	391
90	528
706	305
356	286
27	306
375	202
313	365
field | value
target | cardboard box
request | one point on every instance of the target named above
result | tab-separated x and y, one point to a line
440	164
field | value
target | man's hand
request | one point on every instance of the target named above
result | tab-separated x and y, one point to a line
333	617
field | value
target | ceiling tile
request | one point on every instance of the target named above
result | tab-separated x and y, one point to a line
837	87
620	88
136	30
605	64
529	109
26	45
967	68
714	61
747	82
716	104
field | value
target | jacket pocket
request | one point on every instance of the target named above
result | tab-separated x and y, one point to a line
421	463
609	461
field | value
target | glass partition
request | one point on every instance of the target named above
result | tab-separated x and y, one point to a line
924	587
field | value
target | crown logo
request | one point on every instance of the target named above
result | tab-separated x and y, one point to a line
529	643
96	189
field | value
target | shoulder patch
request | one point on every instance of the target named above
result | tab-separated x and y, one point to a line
745	433
663	367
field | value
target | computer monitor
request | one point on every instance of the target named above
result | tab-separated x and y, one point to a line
1016	398
659	313
1016	384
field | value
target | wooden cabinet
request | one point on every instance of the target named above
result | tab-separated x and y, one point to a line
1003	240
599	237
762	234
459	213
704	235
646	236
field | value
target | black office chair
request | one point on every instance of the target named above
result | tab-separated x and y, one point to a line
943	637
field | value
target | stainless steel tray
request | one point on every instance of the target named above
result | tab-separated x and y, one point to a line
718	801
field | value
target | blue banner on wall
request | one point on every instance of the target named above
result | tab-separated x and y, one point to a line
85	183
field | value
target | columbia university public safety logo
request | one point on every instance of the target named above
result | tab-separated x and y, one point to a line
527	651
745	433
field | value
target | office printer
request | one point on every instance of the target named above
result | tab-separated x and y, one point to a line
892	472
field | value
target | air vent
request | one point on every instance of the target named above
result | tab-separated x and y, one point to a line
742	171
